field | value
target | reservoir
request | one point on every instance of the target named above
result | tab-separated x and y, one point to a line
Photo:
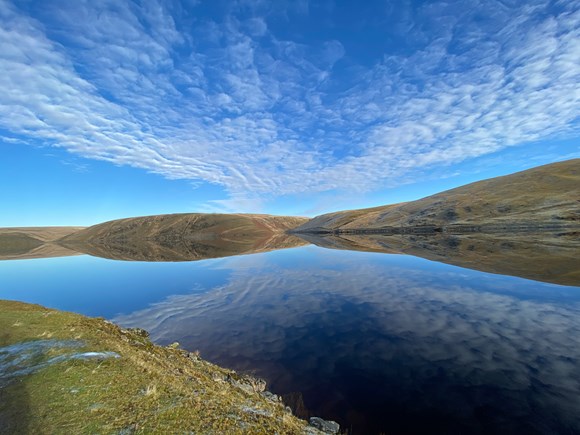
381	343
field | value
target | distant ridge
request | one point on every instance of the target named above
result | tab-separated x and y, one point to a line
545	196
22	243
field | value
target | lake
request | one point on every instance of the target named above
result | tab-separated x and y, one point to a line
381	343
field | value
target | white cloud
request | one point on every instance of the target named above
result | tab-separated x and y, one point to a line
230	103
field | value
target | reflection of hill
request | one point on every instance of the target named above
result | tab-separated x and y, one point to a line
546	195
547	257
34	242
185	237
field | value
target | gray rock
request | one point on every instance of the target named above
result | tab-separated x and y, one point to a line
326	426
257	384
193	356
245	387
271	396
138	331
256	411
309	430
247	383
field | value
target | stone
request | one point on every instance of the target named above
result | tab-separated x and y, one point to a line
139	332
257	384
256	411
193	356
271	396
326	426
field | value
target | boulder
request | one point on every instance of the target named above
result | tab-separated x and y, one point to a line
326	426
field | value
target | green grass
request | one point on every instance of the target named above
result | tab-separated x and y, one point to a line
149	389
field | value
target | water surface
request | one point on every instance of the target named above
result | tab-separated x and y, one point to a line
378	342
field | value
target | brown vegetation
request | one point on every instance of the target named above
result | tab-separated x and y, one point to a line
34	242
185	237
547	194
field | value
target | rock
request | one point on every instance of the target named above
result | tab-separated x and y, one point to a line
271	396
245	387
326	426
193	356
174	345
138	331
218	378
256	411
247	383
257	384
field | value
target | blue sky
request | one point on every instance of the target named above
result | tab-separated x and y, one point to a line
118	108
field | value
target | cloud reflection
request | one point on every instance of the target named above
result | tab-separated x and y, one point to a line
382	347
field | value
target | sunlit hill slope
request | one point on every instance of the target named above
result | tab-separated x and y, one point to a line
546	195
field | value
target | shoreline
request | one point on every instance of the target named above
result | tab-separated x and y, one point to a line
64	371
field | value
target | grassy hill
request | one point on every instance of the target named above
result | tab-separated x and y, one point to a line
544	195
185	237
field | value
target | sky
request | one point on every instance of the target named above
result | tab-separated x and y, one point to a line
118	108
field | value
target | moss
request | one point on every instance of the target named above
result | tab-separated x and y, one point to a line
149	389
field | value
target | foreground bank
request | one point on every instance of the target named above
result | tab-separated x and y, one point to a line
63	372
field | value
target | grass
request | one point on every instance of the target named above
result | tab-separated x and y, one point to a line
149	389
542	195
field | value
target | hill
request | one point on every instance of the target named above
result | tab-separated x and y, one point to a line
544	196
185	237
34	242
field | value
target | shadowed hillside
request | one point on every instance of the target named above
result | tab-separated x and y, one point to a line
544	196
185	237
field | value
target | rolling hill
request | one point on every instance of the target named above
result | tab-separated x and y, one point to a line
185	237
543	196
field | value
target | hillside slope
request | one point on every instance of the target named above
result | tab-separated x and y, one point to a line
547	194
65	373
185	237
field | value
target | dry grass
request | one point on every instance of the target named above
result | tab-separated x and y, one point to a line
546	194
185	237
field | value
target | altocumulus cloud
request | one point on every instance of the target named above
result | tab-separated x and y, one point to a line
227	98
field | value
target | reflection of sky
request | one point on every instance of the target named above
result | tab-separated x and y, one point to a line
365	337
100	287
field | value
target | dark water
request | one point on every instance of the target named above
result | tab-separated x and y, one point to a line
380	343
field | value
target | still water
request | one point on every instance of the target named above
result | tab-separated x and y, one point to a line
381	343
